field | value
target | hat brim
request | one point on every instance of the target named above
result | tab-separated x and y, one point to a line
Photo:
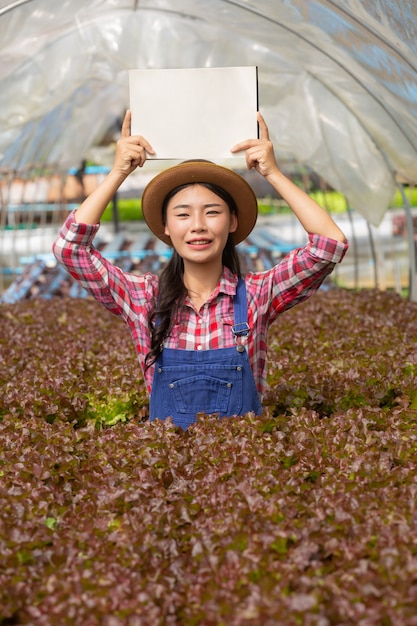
190	172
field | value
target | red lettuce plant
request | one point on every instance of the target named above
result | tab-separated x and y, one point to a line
305	515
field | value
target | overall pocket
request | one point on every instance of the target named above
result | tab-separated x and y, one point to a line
204	389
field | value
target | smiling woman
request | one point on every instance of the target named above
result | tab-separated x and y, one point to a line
200	328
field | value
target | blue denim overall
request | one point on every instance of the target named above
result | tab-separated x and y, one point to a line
187	382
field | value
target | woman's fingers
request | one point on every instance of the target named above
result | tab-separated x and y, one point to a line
244	145
143	143
263	128
131	152
251	143
259	152
129	155
136	139
126	124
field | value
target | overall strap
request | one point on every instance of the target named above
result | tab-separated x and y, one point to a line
240	306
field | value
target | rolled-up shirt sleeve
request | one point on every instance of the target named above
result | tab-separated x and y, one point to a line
75	250
297	276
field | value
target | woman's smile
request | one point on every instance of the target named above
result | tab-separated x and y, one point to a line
199	243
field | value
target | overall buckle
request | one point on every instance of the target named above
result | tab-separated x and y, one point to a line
241	329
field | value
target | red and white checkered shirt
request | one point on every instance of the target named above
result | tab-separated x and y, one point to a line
131	297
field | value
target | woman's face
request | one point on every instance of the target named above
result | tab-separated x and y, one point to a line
198	223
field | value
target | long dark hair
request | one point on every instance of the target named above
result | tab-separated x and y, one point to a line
172	291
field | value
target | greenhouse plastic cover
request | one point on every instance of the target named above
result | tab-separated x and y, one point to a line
337	79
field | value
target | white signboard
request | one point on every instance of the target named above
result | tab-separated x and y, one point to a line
197	113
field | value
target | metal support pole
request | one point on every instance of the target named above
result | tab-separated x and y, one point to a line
373	253
411	245
355	248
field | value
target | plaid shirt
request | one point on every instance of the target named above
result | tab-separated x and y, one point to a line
131	297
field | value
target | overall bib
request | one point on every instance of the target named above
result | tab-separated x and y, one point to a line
187	382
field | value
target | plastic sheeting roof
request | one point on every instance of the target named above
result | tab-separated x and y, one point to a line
337	78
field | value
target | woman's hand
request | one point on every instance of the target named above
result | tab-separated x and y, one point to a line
130	153
259	152
131	150
260	155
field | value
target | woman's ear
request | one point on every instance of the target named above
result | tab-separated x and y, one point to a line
233	223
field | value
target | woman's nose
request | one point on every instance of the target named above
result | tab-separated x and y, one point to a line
198	223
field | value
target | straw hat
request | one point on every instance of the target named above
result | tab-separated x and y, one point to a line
199	171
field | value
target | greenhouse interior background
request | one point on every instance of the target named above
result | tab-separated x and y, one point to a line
337	85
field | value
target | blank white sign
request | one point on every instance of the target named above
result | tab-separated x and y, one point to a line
197	113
